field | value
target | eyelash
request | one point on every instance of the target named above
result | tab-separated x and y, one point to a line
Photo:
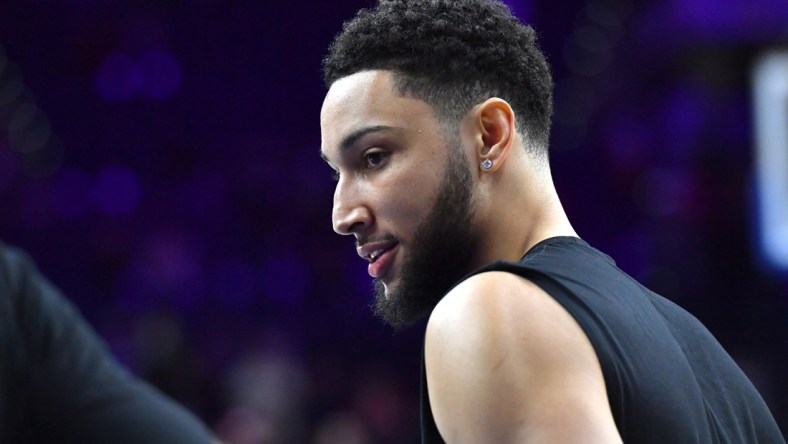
378	154
365	160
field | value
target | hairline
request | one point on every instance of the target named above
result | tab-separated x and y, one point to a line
449	123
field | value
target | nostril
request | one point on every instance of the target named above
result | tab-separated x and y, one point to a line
352	221
356	226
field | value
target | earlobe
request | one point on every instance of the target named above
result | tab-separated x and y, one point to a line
496	119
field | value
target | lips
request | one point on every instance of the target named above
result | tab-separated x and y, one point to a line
379	254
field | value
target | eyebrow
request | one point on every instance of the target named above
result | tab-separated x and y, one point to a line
353	137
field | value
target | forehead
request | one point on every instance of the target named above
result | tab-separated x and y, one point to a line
368	99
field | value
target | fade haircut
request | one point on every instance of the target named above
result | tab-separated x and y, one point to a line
453	54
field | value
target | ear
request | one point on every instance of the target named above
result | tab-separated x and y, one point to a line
494	120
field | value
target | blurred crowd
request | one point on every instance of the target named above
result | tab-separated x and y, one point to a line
160	162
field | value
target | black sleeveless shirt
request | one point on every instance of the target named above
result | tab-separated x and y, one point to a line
668	379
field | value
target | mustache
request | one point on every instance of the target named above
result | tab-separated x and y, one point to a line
388	237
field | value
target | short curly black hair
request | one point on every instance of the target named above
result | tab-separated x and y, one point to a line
453	54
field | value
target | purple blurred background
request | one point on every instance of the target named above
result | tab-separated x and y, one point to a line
160	162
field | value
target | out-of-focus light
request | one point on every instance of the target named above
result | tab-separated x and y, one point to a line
235	283
587	52
609	13
592	39
32	140
284	279
664	192
22	117
7	167
684	110
603	13
523	9
574	102
3	60
629	142
117	190
155	75
118	77
727	21
770	102
10	91
575	99
167	268
44	162
28	129
161	74
70	197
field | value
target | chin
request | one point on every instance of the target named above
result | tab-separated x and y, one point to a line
388	290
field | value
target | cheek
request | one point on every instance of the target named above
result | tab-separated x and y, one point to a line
407	201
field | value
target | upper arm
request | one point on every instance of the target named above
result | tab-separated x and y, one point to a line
507	364
72	385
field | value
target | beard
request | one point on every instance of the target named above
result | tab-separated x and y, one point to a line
440	253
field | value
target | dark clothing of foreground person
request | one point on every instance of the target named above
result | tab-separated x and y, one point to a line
58	381
668	380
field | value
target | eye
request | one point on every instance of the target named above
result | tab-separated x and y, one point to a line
373	159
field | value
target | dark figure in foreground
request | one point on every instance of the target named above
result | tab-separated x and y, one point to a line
436	123
58	381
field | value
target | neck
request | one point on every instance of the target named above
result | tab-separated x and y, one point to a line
521	214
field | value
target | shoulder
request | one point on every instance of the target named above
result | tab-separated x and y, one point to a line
497	346
497	311
494	305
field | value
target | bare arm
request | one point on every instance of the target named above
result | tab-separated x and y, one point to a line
507	364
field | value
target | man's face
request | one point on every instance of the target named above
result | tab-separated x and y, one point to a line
403	191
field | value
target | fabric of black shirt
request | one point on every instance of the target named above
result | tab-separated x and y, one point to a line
58	381
668	379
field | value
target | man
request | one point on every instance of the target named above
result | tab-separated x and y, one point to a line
436	123
58	381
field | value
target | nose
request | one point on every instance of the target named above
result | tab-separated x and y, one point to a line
350	214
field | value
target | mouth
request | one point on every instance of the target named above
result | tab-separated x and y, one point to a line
379	255
376	254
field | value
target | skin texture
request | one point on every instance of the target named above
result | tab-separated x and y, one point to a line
399	184
505	363
438	254
513	367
